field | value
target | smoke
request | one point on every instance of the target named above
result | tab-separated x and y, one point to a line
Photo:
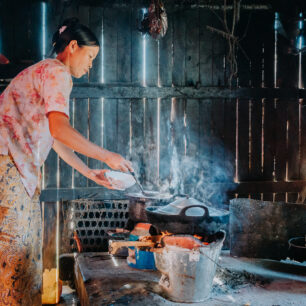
206	176
203	169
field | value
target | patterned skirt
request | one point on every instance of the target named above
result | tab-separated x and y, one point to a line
20	240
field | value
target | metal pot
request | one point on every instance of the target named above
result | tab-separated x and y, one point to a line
139	201
187	216
297	248
188	271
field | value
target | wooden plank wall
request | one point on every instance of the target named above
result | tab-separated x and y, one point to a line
183	144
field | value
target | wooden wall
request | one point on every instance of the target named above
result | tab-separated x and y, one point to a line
204	146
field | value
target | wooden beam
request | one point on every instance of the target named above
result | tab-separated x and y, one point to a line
58	194
95	90
53	194
115	91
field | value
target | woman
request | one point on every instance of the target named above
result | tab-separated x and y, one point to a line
34	116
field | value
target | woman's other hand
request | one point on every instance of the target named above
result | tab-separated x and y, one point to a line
98	176
117	162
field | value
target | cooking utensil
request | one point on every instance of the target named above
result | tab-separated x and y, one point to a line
139	201
120	180
137	182
297	248
178	218
146	193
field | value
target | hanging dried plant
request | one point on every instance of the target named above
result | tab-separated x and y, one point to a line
155	22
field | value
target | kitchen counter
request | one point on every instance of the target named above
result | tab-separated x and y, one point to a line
105	280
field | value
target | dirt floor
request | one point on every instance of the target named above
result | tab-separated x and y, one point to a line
238	281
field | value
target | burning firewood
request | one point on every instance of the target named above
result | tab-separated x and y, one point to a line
115	245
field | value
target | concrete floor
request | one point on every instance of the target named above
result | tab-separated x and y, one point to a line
239	281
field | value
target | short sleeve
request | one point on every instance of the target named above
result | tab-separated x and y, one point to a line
57	87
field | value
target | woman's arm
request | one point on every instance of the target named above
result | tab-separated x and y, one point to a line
74	161
62	131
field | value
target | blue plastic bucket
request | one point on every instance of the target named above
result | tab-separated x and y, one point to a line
138	259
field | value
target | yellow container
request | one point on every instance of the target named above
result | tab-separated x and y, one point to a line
52	287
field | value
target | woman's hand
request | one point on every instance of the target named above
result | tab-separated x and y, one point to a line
74	161
98	176
117	162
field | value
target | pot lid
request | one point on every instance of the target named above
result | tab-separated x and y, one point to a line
178	205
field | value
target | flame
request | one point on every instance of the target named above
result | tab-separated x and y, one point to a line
198	237
158	238
166	233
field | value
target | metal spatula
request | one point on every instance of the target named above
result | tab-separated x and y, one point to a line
137	182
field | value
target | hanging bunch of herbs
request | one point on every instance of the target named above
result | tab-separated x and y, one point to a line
155	22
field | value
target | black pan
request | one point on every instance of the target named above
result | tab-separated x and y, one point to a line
183	224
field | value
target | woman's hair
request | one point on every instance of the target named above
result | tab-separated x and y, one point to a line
70	30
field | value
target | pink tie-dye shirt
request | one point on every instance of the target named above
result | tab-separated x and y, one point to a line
24	105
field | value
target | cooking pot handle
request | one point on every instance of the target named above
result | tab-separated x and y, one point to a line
190	218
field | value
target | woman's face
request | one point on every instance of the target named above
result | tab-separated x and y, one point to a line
81	58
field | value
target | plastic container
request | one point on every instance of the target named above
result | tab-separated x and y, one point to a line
137	258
